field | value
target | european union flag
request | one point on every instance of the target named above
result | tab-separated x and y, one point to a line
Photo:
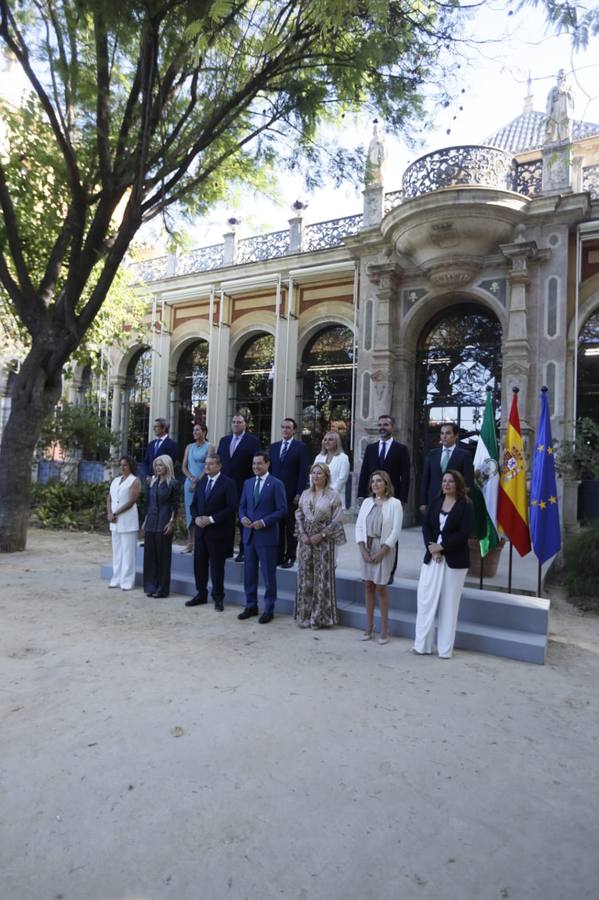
544	511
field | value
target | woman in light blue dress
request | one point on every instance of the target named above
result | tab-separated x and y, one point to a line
193	469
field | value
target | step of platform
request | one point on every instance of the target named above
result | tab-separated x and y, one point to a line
508	625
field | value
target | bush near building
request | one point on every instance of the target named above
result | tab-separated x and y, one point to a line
580	571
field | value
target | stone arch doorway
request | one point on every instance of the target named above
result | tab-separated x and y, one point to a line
191	390
458	357
327	380
137	394
253	381
587	387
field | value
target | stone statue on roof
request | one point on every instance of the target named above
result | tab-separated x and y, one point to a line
560	108
375	160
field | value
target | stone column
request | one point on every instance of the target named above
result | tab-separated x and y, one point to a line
373	205
218	372
116	416
386	277
557	168
286	361
230	247
516	347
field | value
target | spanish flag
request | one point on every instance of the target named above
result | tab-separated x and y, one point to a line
512	503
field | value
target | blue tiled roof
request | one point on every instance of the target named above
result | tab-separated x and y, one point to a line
527	132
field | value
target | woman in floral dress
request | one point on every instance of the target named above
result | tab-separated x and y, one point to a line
320	528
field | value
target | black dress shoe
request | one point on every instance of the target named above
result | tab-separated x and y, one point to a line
265	618
239	557
248	612
159	594
219	605
198	600
288	564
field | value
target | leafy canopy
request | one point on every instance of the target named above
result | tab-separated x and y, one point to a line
139	108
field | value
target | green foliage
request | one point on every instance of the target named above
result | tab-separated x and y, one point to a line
579	459
70	506
77	428
579	20
581	573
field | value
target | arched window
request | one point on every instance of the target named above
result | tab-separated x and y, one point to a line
137	403
327	369
458	357
192	390
587	403
253	385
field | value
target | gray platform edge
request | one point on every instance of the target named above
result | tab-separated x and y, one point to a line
512	626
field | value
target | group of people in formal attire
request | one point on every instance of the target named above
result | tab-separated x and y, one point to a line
289	512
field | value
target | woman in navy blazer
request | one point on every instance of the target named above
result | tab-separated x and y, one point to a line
158	527
446	530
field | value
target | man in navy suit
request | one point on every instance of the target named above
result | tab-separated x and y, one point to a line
162	445
236	451
263	506
213	506
290	463
392	457
448	456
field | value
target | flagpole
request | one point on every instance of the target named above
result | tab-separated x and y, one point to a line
482	566
539	580
509	575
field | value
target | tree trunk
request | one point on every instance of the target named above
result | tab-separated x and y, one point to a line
35	393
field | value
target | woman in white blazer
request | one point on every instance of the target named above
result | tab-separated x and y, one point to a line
332	454
377	532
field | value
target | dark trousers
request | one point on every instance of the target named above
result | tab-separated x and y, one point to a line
157	562
264	558
209	557
287	538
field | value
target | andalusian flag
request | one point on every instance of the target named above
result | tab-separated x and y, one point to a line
512	505
486	481
544	509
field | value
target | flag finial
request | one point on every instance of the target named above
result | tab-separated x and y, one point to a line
544	389
516	389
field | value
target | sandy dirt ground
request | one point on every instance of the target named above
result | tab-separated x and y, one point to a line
154	752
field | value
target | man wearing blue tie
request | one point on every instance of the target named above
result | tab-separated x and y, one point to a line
263	506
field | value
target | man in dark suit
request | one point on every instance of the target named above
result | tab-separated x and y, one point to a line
213	506
448	456
162	445
290	463
392	457
263	506
236	451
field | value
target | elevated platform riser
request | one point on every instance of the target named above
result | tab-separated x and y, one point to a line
511	626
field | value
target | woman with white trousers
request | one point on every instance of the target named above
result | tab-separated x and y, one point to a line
121	507
446	529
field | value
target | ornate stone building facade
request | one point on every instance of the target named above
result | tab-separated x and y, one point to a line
481	270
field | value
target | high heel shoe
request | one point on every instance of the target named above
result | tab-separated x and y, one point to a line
367	636
383	640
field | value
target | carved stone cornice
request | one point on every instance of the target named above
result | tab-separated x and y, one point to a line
454	271
386	276
520	253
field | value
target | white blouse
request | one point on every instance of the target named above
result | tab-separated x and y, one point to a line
339	466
